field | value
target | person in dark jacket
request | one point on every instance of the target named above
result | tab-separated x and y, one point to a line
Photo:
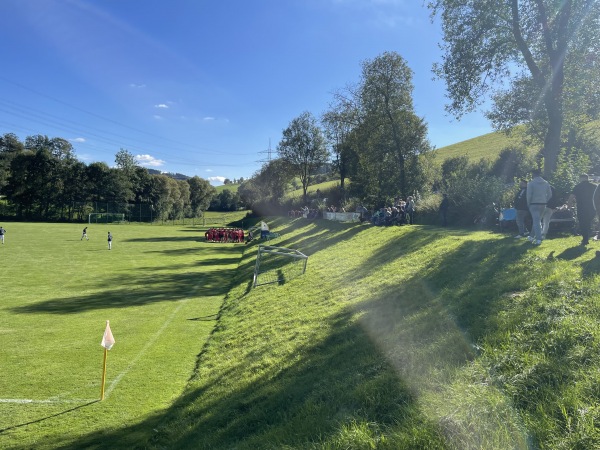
583	194
520	205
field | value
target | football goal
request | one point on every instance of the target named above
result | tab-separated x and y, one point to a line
106	217
278	265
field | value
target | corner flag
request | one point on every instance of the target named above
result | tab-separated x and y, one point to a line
107	340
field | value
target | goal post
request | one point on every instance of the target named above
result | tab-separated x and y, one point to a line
278	265
106	218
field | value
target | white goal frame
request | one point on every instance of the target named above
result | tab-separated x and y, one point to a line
294	255
115	217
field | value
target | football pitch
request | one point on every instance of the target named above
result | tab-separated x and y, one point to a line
160	287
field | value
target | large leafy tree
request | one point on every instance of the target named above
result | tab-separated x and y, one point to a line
201	192
389	128
303	148
536	58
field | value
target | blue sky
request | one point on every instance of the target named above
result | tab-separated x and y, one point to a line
201	87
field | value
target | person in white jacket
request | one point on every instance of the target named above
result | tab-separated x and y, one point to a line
538	194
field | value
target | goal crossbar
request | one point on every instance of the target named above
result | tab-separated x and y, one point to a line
277	264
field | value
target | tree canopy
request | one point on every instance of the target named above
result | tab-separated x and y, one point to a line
537	59
303	149
42	179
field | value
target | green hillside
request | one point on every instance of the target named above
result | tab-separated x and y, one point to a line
231	187
398	338
487	146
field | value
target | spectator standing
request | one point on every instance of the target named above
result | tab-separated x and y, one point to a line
444	210
583	194
538	194
551	206
520	204
410	209
2	233
109	240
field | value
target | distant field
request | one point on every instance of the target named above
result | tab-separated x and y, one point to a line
230	187
161	287
297	193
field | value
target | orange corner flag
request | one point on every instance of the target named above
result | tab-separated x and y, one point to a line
107	340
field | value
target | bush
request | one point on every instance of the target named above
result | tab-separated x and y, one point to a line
512	164
472	199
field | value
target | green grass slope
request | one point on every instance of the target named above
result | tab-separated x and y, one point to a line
398	338
230	187
487	146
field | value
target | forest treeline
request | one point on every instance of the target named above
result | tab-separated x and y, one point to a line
41	179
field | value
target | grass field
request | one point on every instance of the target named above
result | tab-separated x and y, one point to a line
395	338
161	287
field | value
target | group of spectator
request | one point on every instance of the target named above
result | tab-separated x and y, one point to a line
305	212
402	212
224	235
538	199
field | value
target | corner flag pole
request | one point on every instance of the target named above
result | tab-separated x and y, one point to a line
103	374
107	342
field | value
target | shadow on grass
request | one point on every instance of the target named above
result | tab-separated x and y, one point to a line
592	267
199	238
138	291
341	381
364	371
572	253
31	422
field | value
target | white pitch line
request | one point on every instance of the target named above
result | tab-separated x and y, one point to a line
149	344
31	401
112	385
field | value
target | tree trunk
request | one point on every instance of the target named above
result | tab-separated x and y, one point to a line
552	141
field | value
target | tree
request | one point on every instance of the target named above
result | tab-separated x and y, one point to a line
390	135
201	193
10	146
303	148
125	161
225	201
545	50
339	121
163	195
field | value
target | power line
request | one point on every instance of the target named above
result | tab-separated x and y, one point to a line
269	153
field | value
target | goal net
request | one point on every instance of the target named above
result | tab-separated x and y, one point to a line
106	217
278	265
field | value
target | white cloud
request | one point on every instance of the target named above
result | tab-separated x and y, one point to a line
77	140
157	117
162	105
147	160
137	86
209	170
217	180
208	118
